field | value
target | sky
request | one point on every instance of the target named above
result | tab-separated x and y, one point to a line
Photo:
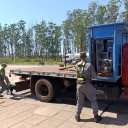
34	11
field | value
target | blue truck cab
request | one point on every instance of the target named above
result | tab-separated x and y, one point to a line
105	50
105	53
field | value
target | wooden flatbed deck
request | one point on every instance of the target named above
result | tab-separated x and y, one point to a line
67	72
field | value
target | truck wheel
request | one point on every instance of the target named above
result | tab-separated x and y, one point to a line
44	90
113	93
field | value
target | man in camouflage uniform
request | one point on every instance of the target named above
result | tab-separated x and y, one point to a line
4	81
85	73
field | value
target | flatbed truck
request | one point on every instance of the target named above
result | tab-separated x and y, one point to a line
108	53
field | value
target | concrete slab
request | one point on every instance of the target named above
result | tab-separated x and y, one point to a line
8	123
47	111
51	123
63	115
22	125
69	125
35	119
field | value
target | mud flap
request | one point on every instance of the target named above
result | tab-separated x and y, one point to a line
22	85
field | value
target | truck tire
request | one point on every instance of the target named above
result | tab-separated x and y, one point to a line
44	90
113	93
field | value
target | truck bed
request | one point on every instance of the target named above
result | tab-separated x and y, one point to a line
54	71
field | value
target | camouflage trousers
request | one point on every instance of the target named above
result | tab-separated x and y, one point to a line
89	91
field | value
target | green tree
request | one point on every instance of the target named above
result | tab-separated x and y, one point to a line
21	44
112	13
92	9
54	40
101	14
124	15
76	29
40	46
14	37
2	44
68	40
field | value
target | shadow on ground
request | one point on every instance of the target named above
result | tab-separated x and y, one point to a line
119	107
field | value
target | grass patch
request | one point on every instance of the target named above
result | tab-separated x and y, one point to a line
17	60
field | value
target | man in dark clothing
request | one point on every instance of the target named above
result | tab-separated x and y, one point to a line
85	73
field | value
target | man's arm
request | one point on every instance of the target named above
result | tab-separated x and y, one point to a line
93	73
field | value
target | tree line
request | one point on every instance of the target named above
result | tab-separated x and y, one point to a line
50	40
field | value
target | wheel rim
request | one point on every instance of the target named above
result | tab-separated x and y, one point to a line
44	90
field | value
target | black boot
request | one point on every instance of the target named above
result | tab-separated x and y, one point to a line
77	118
10	89
97	118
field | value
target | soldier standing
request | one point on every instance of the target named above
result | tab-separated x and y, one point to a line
85	73
4	81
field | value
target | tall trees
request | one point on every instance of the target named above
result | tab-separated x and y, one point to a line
46	39
40	43
2	44
68	35
92	9
14	36
75	27
124	15
112	13
100	16
75	30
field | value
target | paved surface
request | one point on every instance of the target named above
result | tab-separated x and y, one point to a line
24	111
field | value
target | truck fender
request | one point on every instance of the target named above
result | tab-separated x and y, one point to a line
44	90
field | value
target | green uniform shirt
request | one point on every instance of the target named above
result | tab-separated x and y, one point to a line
3	76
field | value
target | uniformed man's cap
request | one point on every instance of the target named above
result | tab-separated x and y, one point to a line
4	65
83	54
